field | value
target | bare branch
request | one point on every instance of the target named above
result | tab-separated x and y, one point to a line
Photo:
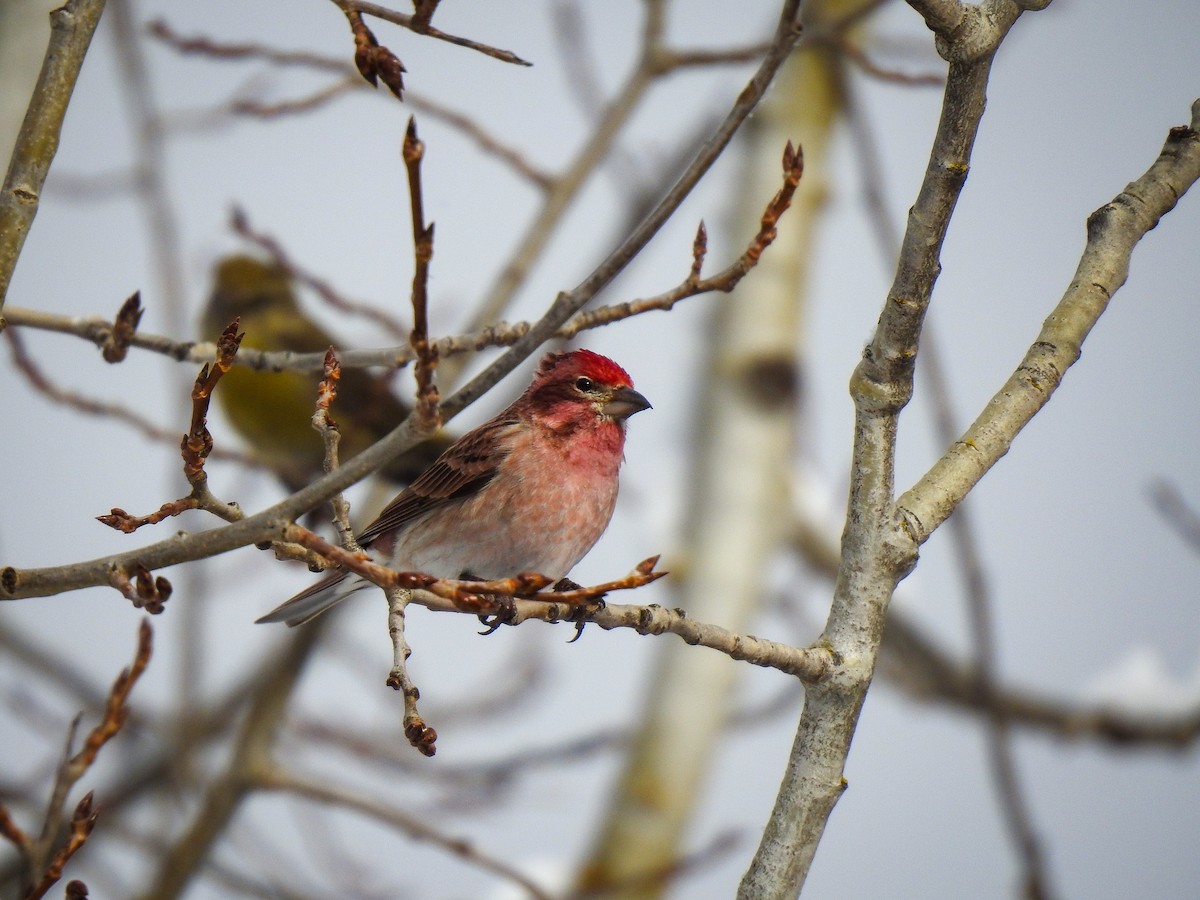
597	147
241	225
523	597
570	302
43	863
204	46
921	667
487	142
270	696
255	109
876	553
1113	232
855	54
724	281
427	391
420	26
325	426
324	791
918	665
420	735
502	334
809	664
71	29
195	448
41	382
969	558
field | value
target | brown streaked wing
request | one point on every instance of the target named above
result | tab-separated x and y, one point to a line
461	471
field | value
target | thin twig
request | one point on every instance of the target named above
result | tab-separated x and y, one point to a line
488	143
420	735
725	280
195	448
331	437
151	189
44	863
255	109
98	330
42	383
479	597
673	60
204	46
406	21
559	196
855	54
570	302
426	408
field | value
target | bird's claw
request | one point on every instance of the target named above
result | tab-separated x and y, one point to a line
582	614
505	614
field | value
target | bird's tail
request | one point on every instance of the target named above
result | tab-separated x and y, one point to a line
311	602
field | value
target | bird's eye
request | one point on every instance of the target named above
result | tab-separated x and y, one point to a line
585	384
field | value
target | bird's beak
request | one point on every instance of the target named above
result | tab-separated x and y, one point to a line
624	402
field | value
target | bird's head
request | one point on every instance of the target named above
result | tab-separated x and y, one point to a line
582	380
247	287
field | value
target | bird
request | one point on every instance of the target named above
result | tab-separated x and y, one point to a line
272	411
530	490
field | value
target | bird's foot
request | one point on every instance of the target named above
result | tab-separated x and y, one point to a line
505	613
583	612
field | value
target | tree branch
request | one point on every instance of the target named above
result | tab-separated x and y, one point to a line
71	30
413	24
43	858
251	756
330	795
875	551
1112	232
